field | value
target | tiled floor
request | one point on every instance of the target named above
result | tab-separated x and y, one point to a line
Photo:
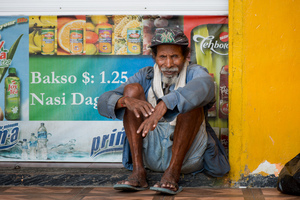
103	193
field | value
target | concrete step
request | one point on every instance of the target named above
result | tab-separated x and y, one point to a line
32	176
108	174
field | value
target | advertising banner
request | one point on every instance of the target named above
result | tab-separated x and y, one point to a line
54	68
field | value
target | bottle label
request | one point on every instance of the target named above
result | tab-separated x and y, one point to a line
133	41
13	89
48	41
105	40
12	98
42	135
76	41
32	143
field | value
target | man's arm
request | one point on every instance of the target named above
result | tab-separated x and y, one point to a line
107	102
135	105
198	92
151	122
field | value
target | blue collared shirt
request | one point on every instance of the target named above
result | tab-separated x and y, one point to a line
198	92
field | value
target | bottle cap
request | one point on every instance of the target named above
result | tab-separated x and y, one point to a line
12	70
226	68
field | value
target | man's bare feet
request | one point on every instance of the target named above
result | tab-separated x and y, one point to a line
169	181
138	180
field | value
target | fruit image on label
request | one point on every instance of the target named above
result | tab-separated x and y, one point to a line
133	41
48	41
105	40
76	40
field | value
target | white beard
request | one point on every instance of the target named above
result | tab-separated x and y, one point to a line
169	80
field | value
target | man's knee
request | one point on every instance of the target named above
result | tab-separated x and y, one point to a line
134	90
194	112
197	114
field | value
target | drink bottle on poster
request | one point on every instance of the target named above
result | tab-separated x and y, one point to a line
223	96
134	41
76	41
24	155
12	95
32	145
42	150
48	41
105	39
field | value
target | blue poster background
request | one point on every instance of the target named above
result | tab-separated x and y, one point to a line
67	87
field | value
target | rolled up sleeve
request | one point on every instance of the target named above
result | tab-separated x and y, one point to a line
198	92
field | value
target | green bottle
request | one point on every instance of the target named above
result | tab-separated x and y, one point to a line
12	95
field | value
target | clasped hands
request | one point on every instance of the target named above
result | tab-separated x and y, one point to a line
151	115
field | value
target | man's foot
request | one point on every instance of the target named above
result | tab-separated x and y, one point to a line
133	183
168	184
168	188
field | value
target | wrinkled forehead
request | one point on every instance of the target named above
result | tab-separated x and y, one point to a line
169	49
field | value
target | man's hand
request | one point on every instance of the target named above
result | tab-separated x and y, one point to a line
136	106
150	123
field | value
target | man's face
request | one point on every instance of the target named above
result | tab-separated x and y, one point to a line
169	59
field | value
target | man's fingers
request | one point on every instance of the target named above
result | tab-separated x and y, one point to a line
144	129
140	128
147	127
154	125
145	133
142	109
149	109
136	113
145	108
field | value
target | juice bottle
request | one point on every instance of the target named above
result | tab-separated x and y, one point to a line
133	41
48	41
105	38
12	95
76	41
223	101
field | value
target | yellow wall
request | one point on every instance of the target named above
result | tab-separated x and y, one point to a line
264	82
